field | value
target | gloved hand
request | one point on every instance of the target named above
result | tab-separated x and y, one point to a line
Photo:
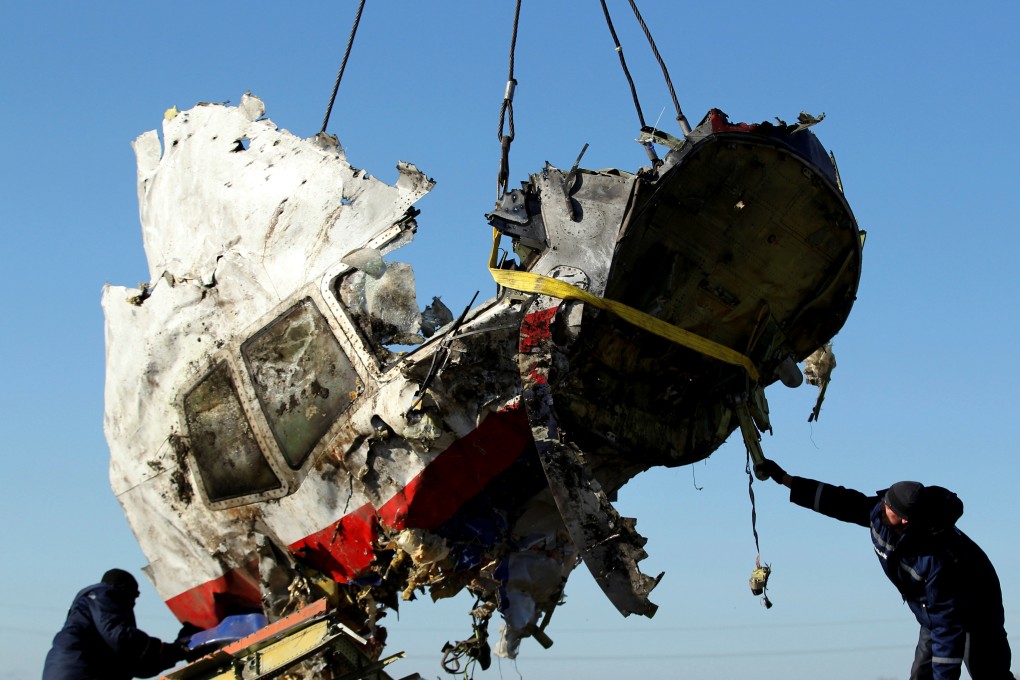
173	652
193	654
182	652
187	630
772	470
166	655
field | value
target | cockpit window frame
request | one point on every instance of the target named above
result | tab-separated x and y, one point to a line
224	359
275	424
351	345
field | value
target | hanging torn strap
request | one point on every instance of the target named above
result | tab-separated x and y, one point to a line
760	576
752	439
527	282
754	511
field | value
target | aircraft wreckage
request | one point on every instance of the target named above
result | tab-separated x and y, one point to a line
275	441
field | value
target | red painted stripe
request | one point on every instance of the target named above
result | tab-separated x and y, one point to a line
344	549
720	123
535	329
206	605
459	472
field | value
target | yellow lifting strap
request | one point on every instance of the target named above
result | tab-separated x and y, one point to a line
526	282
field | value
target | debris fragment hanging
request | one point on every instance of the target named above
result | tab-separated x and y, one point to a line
818	369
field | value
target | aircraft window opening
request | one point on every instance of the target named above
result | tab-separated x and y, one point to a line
302	378
229	460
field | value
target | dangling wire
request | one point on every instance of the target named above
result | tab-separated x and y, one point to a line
462	656
760	575
750	492
507	111
680	117
343	65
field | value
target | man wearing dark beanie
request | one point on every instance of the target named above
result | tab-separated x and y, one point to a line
100	641
946	579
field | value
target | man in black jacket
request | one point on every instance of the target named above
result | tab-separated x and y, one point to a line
100	641
945	578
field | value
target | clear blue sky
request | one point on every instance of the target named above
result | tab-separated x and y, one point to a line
920	101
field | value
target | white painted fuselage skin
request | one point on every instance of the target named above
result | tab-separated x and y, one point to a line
243	223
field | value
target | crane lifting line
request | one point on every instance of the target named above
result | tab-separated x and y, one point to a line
623	63
649	147
680	117
528	282
506	111
343	65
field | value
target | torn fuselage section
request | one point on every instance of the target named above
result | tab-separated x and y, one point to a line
285	422
740	240
576	215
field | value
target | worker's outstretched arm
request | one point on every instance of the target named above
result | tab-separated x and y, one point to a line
837	502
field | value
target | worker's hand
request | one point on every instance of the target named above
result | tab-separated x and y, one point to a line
179	651
193	654
772	470
186	631
170	654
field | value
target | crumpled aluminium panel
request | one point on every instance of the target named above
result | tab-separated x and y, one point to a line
237	216
259	242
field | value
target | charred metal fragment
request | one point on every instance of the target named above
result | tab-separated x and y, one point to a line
608	544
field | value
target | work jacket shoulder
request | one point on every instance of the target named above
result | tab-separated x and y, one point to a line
940	509
100	639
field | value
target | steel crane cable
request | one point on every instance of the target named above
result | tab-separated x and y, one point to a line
506	113
680	117
528	282
649	149
343	65
623	63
